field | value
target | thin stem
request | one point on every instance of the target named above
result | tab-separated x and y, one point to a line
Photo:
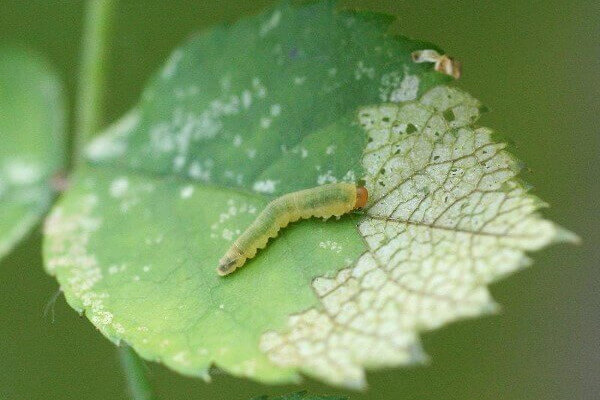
133	368
98	19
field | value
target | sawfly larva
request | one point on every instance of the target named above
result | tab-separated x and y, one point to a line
325	201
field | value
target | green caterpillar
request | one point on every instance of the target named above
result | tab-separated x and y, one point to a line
322	201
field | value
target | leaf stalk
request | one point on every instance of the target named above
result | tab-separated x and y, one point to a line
92	74
133	367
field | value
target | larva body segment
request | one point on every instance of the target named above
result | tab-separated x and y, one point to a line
324	201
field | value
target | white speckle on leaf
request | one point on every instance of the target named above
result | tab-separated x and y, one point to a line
259	88
178	162
239	179
120	329
118	187
181	358
130	195
396	87
176	134
362	70
265	186
20	172
301	151
237	141
265	122
226	227
409	87
331	245
330	149
225	82
299	80
187	192
68	234
251	153
327	177
200	172
227	234
350	176
102	318
271	24
275	110
161	138
246	98
183	93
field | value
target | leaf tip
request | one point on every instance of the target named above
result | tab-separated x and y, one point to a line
205	376
564	235
417	355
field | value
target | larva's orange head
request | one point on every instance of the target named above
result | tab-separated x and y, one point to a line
362	195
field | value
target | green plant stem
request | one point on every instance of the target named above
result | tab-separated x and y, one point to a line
133	368
98	21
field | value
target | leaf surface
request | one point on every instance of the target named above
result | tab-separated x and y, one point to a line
32	129
238	115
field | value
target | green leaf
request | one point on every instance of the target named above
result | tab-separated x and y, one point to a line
300	396
237	115
245	112
32	128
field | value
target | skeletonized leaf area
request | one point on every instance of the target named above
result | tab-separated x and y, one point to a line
447	216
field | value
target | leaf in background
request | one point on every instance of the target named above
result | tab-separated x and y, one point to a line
32	150
300	396
239	115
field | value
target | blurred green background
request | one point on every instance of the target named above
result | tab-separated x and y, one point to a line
535	64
